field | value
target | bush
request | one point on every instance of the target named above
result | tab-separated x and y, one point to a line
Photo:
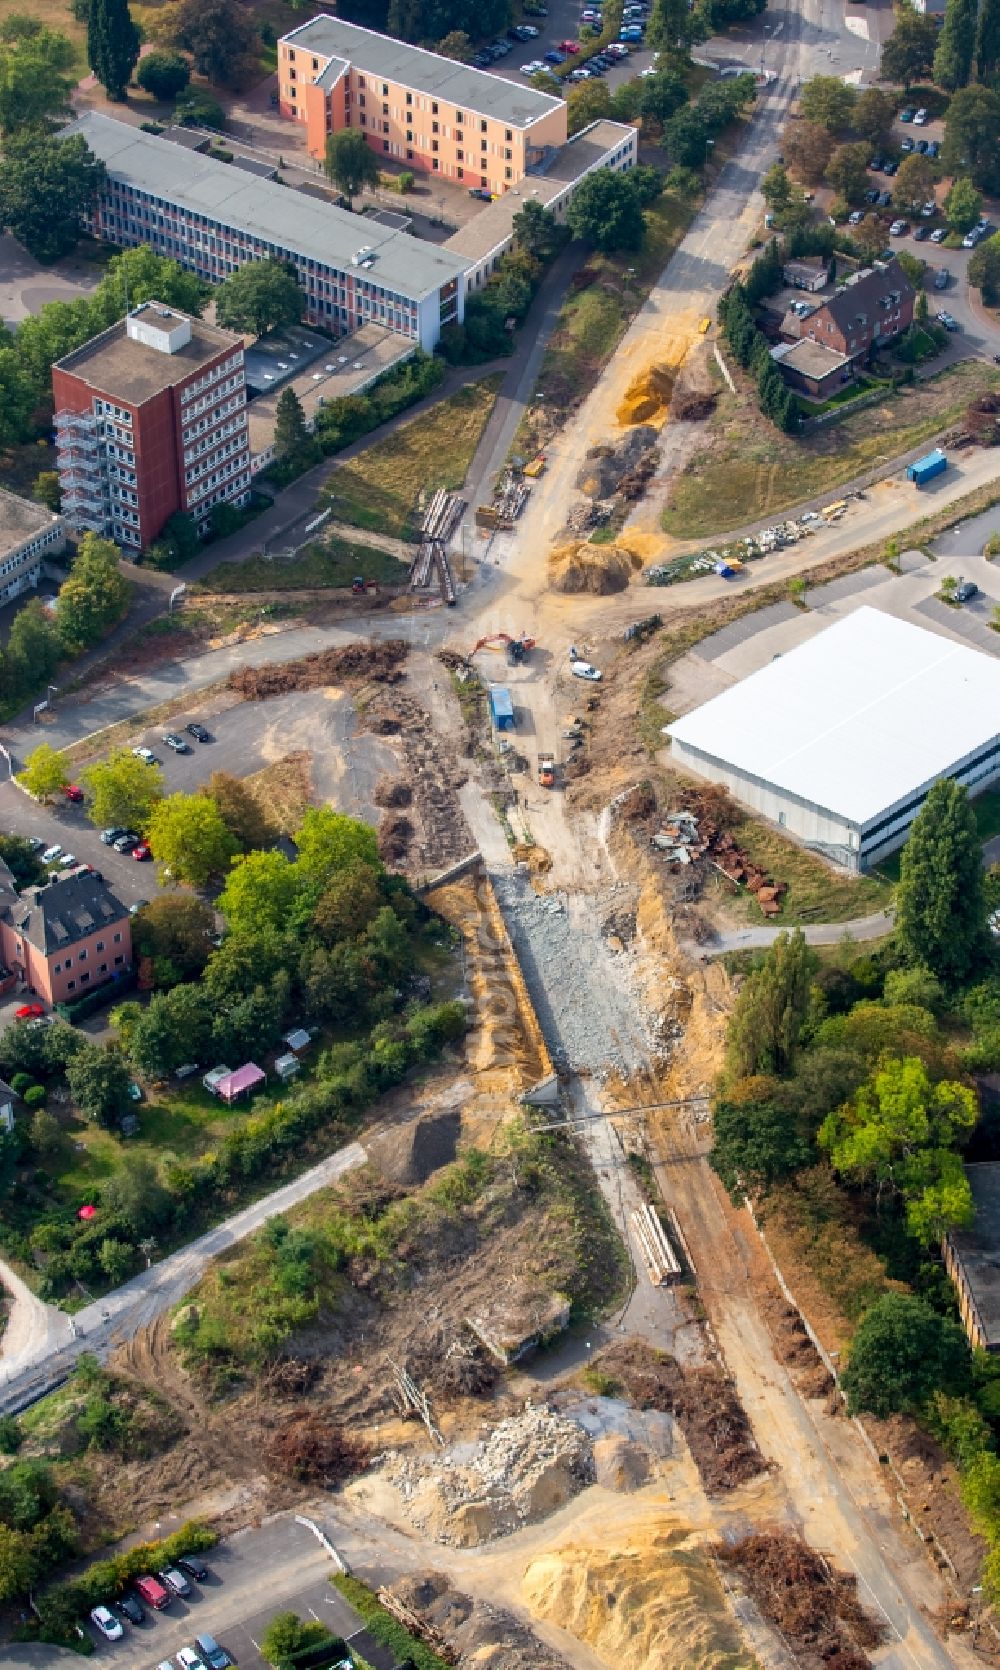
343	421
106	1579
220	154
195	109
163	74
383	1626
21	1082
405	182
35	1096
11	1435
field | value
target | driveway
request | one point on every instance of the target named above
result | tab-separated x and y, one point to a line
25	286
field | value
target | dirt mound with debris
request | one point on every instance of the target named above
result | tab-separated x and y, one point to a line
307	1446
530	1465
701	1399
394	836
621	1464
648	395
815	1606
692	405
477	1632
597	569
538	861
603	468
649	1601
392	792
352	665
409	1154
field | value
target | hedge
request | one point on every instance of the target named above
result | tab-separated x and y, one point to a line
105	1580
383	1626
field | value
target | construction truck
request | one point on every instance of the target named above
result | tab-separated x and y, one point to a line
547	770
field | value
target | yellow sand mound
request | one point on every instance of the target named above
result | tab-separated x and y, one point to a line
653	1602
648	395
598	569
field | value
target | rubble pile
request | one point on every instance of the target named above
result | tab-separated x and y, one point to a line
528	1467
352	665
728	560
684	836
479	1632
605	467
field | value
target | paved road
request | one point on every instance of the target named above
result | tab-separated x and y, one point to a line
106	1322
824	933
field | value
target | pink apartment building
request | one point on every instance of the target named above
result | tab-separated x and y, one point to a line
60	941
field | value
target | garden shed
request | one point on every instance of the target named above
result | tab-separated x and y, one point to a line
243	1082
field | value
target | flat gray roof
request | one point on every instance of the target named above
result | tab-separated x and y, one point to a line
814	359
114	363
266	210
423	72
20	520
280	355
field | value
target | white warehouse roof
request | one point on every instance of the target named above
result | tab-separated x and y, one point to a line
856	720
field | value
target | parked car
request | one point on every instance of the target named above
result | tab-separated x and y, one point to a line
107	1623
192	1566
921	147
134	1091
572	47
939	234
35	842
555	57
130	1608
620	51
153	1592
584	669
483	196
948	320
965	590
188	1659
111	835
126	842
50	854
899	228
891	168
532	68
73	792
29	1012
942	278
934	148
855	217
141	853
877	164
175	1581
146	755
920	118
921	234
215	1656
906	145
176	742
68	861
873	195
139	904
908	114
885	199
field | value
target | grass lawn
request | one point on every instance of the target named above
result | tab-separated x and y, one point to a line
748	470
380	489
334	562
816	893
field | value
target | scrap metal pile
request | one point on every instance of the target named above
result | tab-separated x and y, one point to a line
728	560
684	836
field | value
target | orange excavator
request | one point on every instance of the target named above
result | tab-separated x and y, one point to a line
517	649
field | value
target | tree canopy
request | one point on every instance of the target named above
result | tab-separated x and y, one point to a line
901	1354
908	54
607	212
45	771
47	185
956	44
112	45
350	163
258	297
123	790
940	912
164	74
963	206
827	101
94	597
770	1009
220	35
970	143
189	838
34	84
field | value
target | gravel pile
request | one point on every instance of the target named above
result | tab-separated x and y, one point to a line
530	1465
582	989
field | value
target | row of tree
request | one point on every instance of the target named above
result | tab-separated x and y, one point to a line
750	347
846	1092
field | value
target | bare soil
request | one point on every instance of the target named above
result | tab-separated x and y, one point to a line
352	666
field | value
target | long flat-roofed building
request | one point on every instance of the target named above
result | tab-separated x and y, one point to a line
213	220
28	534
425	111
840	740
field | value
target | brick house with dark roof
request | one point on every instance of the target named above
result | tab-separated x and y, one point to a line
873	306
61	940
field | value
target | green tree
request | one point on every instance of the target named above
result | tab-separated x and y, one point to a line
770	1010
188	837
349	902
291	437
776	189
94	597
258	297
807	151
329	841
873	115
828	102
984	269
537	231
123	790
900	1131
914	182
21	860
34	86
17	1563
956	44
263	892
685	138
988	41
47	491
963	206
134	1192
45	772
589	101
173	932
908	54
98	1079
847	170
117	1260
287	1633
667	30
350	163
163	74
112	45
606	211
940	912
221	36
901	1354
241	813
456	44
46	186
970	142
175	1027
756	1136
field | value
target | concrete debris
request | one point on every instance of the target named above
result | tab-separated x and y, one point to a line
528	1467
685	835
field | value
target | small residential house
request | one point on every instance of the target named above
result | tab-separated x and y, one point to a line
61	940
811	368
809	274
873	306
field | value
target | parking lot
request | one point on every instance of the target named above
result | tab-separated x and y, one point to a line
563	23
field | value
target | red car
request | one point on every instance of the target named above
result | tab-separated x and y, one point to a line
572	47
141	852
29	1012
73	792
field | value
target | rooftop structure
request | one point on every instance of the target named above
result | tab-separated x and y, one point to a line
213	218
154	349
972	1259
840	740
347	367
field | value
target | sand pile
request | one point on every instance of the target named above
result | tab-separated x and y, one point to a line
531	1465
621	1464
649	1601
648	395
597	569
539	861
409	1154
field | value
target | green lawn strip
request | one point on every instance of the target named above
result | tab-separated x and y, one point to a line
380	489
333	562
383	1626
182	1123
816	893
748	470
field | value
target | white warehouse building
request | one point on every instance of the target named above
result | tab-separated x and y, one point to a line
839	741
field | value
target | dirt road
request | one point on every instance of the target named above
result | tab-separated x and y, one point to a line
34	1330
